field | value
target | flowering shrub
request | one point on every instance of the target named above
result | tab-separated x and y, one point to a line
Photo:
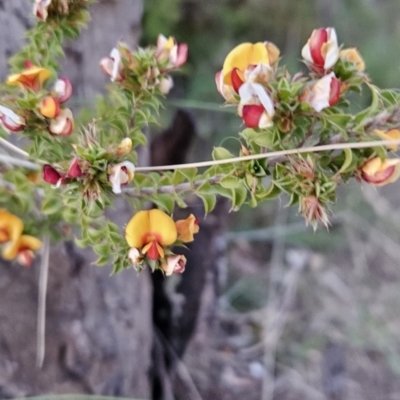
299	138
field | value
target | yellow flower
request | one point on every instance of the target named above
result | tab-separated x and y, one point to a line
11	227
391	134
187	228
22	250
352	55
248	55
31	78
379	173
149	231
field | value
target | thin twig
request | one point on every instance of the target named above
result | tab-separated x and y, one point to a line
314	149
9	146
17	161
182	187
41	316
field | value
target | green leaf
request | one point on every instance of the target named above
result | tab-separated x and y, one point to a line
268	194
209	201
347	161
230	182
239	196
164	201
102	249
220	153
51	205
368	112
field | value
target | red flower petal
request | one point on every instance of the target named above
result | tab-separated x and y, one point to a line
153	253
251	115
50	174
318	38
334	94
236	80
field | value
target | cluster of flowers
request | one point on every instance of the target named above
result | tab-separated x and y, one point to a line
169	55
118	174
17	245
150	234
58	120
249	69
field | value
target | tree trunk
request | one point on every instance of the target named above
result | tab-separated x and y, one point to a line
97	328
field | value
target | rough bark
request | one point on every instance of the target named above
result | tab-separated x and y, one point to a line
97	327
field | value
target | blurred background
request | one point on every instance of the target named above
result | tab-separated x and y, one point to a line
290	313
318	311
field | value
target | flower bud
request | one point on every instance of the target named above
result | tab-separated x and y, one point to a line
255	107
120	174
124	148
63	88
40	9
324	93
352	55
63	124
49	107
321	51
380	173
174	264
169	50
134	255
112	65
10	121
187	228
51	175
166	84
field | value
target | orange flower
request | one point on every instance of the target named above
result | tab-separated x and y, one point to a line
22	250
187	228
49	107
149	231
11	227
31	78
379	173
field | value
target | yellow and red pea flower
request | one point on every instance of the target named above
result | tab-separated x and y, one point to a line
22	250
245	56
19	247
381	172
149	231
11	226
31	78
